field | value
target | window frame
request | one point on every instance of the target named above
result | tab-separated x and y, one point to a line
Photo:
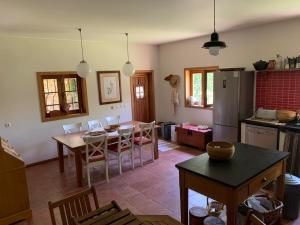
60	76
188	85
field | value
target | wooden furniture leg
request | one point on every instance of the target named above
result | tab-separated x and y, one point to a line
60	152
280	183
156	155
78	164
232	212
184	199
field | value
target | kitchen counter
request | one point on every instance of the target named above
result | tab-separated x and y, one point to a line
291	126
265	123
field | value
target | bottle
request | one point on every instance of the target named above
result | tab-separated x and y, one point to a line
279	62
298	62
286	63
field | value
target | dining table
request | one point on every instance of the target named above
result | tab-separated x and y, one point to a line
74	142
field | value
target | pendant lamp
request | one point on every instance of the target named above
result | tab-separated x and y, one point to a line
214	45
128	68
83	69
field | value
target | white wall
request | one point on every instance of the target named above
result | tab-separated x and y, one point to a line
244	47
21	58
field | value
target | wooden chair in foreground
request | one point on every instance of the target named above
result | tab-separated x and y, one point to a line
74	206
252	219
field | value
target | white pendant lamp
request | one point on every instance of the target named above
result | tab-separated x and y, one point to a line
128	68
214	45
83	68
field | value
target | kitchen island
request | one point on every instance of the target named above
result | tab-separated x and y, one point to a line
232	181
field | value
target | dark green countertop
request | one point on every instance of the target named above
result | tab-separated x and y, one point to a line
247	162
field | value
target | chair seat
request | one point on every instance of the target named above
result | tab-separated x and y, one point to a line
145	140
114	148
96	157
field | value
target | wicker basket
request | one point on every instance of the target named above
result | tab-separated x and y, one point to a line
270	217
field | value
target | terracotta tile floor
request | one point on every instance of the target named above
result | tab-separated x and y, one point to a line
152	189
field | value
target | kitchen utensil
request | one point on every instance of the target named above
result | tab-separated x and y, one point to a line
286	63
260	65
292	63
279	62
298	62
286	115
271	64
220	150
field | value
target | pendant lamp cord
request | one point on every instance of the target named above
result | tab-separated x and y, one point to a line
214	15
79	29
127	47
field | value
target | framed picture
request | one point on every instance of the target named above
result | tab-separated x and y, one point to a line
109	87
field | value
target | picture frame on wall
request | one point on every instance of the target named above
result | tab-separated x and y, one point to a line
109	87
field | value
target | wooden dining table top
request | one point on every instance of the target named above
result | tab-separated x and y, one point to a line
75	140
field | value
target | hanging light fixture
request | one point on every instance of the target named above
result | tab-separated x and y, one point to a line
83	68
128	68
214	45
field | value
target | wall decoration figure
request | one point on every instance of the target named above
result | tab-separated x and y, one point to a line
174	83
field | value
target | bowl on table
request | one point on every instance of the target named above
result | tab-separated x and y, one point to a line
220	150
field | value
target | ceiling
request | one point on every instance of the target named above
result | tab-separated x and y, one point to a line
147	21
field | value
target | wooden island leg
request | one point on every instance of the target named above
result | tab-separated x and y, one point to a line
78	163
184	198
232	211
60	152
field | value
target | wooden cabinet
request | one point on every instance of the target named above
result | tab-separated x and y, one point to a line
14	201
191	135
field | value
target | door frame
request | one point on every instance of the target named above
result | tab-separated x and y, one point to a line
150	74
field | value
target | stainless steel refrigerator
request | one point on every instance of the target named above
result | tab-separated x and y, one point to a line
233	102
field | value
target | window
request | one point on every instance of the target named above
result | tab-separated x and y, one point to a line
62	95
199	87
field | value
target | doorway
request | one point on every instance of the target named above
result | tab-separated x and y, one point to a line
142	96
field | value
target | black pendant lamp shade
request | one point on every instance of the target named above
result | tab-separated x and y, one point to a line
214	42
214	45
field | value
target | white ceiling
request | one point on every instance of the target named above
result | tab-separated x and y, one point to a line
147	21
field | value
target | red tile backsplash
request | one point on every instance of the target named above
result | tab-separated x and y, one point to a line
278	90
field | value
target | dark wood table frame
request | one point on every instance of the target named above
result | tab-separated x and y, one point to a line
231	196
75	143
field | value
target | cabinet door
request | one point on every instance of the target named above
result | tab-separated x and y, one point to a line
263	137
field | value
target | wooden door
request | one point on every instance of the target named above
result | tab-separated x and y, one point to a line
140	97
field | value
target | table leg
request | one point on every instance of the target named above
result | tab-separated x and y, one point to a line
60	152
78	164
232	212
280	183
156	155
184	199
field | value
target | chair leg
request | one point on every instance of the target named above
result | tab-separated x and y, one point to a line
120	163
132	159
141	155
88	176
106	172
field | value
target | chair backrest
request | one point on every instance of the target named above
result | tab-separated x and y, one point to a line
126	138
95	146
75	205
147	130
94	124
72	128
252	219
112	120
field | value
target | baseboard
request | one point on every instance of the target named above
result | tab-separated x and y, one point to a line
43	162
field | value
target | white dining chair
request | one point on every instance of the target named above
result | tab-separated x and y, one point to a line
95	154
145	138
112	120
94	125
124	146
69	129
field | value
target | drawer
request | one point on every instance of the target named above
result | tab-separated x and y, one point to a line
265	178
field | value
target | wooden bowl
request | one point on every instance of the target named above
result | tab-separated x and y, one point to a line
220	150
285	115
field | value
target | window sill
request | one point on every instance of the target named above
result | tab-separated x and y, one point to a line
199	107
47	119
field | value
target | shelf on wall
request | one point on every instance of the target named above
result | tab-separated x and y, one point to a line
283	70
